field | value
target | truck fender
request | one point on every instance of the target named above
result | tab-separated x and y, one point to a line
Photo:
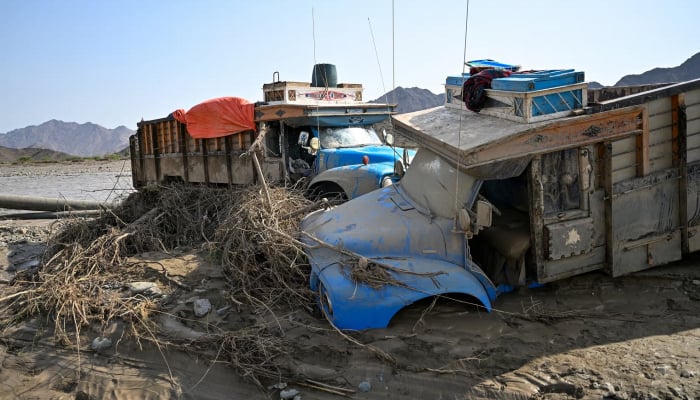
353	179
352	305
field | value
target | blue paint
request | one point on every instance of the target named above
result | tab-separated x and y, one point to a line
402	238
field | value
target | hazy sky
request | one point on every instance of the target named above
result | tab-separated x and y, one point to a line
114	62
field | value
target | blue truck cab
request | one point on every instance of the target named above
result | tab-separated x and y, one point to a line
347	161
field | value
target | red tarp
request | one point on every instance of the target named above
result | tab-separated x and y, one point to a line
218	117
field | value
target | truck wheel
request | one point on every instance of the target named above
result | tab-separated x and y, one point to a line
328	190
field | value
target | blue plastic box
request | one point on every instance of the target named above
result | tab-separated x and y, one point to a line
456	80
528	82
492	64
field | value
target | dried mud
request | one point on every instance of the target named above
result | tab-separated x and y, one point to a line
587	337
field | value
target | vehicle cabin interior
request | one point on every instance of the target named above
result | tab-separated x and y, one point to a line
504	250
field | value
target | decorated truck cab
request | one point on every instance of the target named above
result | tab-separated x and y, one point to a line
492	203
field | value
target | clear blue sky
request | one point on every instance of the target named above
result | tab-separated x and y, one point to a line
114	62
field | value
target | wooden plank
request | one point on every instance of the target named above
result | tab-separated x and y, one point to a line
184	138
608	187
228	140
536	195
643	166
645	97
559	135
680	160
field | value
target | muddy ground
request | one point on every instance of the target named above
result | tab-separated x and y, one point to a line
590	337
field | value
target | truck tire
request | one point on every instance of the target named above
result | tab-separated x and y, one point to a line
329	190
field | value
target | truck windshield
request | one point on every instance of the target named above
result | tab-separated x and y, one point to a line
435	184
333	138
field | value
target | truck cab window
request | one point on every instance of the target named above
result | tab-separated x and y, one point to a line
338	137
560	181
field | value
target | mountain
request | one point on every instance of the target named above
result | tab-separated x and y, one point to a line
8	155
411	99
689	70
84	140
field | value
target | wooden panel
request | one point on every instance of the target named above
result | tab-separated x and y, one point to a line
624	174
564	268
692	97
658	107
624	160
661	156
694	155
645	222
625	145
562	134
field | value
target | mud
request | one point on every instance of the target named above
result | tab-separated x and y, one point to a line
590	337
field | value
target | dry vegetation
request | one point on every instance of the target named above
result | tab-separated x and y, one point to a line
86	269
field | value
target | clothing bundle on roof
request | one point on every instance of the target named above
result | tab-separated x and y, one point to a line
473	93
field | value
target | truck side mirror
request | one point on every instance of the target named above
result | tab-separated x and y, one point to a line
303	138
484	212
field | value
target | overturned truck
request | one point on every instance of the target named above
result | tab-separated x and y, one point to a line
492	203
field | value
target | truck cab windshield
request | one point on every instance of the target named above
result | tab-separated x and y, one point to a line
338	137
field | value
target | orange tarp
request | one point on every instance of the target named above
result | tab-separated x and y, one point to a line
218	117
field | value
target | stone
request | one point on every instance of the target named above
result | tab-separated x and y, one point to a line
145	288
364	386
101	343
202	308
687	374
288	394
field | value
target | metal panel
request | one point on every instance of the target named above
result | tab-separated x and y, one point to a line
570	238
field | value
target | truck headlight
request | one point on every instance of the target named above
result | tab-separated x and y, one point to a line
387	181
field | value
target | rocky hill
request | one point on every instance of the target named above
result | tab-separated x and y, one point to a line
689	70
84	140
8	155
411	99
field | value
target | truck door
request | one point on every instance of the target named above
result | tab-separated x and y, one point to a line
567	216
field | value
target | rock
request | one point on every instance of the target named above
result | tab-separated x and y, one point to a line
145	288
364	386
663	369
608	386
696	282
202	308
100	343
687	374
289	394
678	392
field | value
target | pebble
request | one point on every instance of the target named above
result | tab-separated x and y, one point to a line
100	343
696	282
202	308
663	369
289	394
364	386
687	374
146	288
608	386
